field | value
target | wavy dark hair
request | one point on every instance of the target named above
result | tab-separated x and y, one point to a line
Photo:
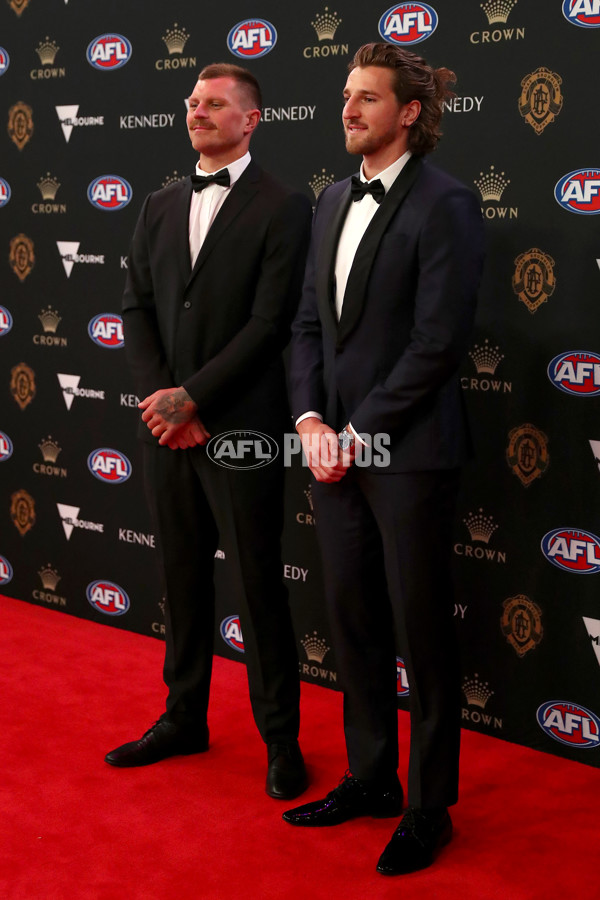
245	79
413	79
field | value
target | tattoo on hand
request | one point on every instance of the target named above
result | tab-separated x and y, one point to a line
172	407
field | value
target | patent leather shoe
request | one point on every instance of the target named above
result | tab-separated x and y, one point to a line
416	841
286	773
351	798
164	739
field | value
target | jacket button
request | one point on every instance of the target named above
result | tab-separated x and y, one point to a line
187	304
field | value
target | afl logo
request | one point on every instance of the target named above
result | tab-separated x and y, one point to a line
6	447
4	192
569	723
109	192
572	550
231	632
579	192
585	13
252	38
6	572
402	679
109	465
108	598
109	51
242	450
6	321
106	330
4	60
408	23
576	372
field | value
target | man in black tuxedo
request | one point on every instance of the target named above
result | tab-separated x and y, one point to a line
387	308
215	273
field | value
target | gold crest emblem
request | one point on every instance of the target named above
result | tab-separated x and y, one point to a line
22	511
521	623
20	124
22	384
21	256
527	453
541	100
19	6
533	281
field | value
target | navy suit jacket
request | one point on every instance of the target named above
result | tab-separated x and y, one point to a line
217	329
390	365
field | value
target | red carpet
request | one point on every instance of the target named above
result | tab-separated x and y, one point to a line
202	828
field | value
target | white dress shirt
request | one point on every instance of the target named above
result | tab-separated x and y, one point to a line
358	217
206	203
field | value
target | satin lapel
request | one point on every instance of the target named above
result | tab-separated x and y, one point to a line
180	229
354	296
326	264
245	188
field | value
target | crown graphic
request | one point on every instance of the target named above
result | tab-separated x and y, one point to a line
48	186
175	38
320	182
49	319
315	647
50	449
326	25
486	358
171	179
498	10
491	185
481	527
50	577
477	692
47	50
308	495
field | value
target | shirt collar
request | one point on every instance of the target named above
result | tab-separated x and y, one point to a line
235	168
389	175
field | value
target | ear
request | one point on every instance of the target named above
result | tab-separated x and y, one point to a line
252	120
410	113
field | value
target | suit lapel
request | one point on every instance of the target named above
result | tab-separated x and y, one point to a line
355	293
325	277
240	195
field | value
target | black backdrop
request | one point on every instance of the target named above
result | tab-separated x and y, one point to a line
93	111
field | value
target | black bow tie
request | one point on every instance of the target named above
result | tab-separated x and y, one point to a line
199	182
359	188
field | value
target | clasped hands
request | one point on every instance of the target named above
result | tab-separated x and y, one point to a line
320	444
170	414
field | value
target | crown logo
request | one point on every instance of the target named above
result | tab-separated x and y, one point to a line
326	25
175	38
50	449
171	179
481	527
50	320
486	358
477	692
498	10
320	182
47	50
50	577
308	495
48	186
315	647
491	186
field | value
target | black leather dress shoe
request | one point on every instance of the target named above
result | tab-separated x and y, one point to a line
161	741
415	841
351	798
286	775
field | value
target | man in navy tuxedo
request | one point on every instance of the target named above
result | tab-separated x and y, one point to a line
387	308
214	278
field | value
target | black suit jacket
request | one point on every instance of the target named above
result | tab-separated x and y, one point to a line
217	329
390	364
